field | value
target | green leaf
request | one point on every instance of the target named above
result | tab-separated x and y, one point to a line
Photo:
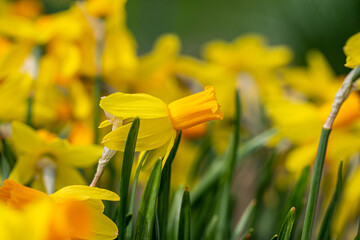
275	237
146	215
10	158
211	177
296	197
156	232
129	227
211	227
97	110
324	232
29	114
244	220
185	214
248	234
285	232
125	176
128	218
357	237
174	215
7	160
164	192
315	185
226	178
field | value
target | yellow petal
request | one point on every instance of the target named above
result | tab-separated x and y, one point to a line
140	105
80	192
301	157
103	228
352	51
24	137
81	156
161	152
105	123
80	100
153	133
66	176
24	169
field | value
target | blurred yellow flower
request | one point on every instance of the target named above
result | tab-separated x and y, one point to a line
15	86
247	53
300	112
159	121
74	212
352	51
37	156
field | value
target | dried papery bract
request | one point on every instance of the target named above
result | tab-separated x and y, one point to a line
107	153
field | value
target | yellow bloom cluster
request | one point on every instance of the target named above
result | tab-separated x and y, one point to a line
54	68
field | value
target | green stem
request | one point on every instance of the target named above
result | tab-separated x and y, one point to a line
97	95
315	185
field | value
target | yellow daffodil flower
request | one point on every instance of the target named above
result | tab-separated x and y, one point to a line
73	212
248	52
300	116
352	51
52	158
158	121
16	86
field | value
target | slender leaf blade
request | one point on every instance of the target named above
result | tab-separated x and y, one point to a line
125	176
285	232
185	214
315	185
324	232
146	216
244	220
164	191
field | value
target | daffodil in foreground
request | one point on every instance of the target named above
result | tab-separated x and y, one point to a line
158	121
352	51
49	161
74	212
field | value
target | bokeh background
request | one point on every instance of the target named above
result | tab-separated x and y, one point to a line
301	24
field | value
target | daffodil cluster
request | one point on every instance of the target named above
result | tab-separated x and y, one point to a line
79	106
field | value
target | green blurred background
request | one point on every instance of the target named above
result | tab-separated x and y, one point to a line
300	24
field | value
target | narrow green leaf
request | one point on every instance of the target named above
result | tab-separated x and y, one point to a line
128	218
210	229
248	234
8	154
357	237
129	227
275	237
210	178
164	191
285	232
315	185
174	215
297	196
30	103
222	227
125	176
146	215
185	214
156	232
324	232
97	110
244	220
264	183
